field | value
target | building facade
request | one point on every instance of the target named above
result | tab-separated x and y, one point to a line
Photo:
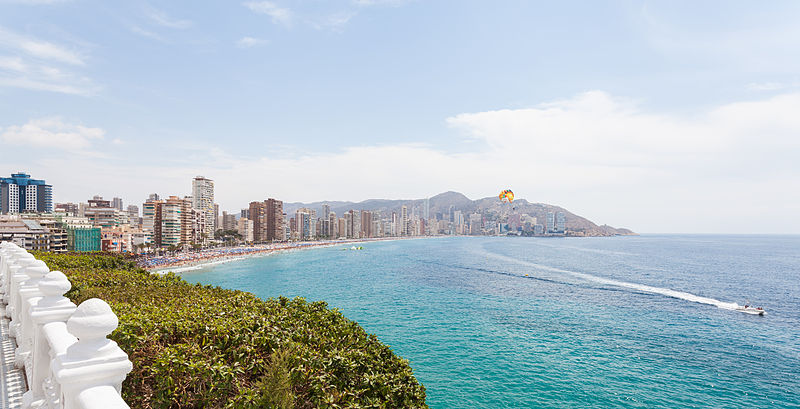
203	201
21	194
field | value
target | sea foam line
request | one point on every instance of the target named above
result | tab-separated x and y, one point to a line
624	284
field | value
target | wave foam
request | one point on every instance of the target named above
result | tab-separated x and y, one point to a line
624	284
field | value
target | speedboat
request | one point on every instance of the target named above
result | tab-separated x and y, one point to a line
751	310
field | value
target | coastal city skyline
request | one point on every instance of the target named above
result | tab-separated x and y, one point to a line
694	112
410	204
30	217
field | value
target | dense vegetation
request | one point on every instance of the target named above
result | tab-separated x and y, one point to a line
196	346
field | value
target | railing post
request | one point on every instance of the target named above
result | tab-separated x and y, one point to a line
22	325
19	274
51	307
68	361
94	362
15	263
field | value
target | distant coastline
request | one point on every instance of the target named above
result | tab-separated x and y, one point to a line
195	260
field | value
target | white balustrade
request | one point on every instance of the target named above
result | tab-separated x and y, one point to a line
68	360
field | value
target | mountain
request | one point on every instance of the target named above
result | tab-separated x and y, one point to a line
491	207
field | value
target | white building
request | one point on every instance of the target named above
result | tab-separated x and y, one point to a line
203	201
245	228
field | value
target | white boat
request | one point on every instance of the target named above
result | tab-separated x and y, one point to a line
751	310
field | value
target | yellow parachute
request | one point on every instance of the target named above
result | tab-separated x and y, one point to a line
507	195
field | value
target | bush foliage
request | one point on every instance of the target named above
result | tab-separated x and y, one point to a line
195	346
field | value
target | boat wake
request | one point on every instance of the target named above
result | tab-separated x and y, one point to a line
624	284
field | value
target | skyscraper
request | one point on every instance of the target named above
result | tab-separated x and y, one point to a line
203	201
267	217
20	194
168	222
116	203
151	219
258	214
404	220
366	224
133	215
550	222
305	220
275	230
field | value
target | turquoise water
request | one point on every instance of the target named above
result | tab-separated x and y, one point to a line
594	324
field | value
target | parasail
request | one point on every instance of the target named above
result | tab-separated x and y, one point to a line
507	195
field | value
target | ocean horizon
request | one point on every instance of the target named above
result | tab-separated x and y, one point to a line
635	321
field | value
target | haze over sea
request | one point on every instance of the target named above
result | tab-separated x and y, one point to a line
597	322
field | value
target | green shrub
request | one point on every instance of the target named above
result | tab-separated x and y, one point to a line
195	346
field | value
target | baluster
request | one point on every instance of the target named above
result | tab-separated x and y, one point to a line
51	307
94	364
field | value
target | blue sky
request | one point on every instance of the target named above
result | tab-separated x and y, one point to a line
658	116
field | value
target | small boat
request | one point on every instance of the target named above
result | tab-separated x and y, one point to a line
747	309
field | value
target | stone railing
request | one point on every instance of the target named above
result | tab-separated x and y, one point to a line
68	361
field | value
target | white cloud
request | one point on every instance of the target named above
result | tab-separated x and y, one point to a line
335	21
161	18
39	49
146	33
601	156
12	64
249	42
40	65
33	2
733	168
394	3
52	133
278	14
766	86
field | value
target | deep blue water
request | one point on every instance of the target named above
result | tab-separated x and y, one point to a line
581	330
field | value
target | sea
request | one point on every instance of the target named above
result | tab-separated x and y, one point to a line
519	322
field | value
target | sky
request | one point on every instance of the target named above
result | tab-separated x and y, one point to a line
662	117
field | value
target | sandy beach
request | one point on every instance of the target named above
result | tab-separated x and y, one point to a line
195	260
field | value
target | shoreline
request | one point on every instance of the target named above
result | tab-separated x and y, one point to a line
198	260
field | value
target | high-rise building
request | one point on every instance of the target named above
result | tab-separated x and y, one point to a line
151	219
245	229
326	227
333	226
217	218
404	220
203	201
348	225
561	222
475	223
342	230
366	224
133	215
550	222
21	194
305	221
275	229
177	225
258	214
168	222
116	203
267	217
244	214
228	221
